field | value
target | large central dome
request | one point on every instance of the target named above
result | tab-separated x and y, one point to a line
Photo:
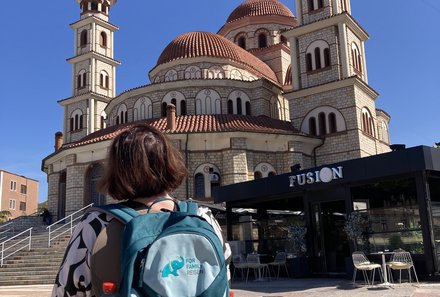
259	8
206	44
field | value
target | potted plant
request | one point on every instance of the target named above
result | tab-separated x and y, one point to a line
355	227
296	247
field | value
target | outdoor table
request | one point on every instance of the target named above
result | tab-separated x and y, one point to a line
384	266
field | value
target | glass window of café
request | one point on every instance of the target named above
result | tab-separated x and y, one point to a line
434	188
392	212
265	230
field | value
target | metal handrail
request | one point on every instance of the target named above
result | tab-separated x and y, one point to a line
3	249
4	225
3	233
66	222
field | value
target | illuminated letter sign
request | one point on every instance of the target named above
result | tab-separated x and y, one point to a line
325	175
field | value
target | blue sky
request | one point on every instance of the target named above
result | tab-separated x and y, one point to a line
402	61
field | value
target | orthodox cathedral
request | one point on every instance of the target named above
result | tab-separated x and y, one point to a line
270	92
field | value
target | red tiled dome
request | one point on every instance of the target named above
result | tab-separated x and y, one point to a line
206	44
259	8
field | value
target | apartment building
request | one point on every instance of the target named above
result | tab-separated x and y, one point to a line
18	194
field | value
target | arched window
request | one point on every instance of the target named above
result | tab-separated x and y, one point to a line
83	38
143	109
385	136
262	40
326	57
311	5
193	72
356	58
94	6
183	107
103	39
322	123
242	42
239	100
312	126
208	101
176	99
76	120
323	120
121	117
332	123
171	75
163	110
315	4
309	66
318	58
318	55
367	122
258	175
239	108
103	118
230	107
206	177
248	108
81	79
104	80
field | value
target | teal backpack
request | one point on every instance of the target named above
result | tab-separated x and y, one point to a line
165	254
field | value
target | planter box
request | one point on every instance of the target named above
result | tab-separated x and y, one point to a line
298	267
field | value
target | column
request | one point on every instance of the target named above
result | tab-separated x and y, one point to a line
343	47
294	62
299	12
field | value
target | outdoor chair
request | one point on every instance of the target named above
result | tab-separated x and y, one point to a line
240	265
402	260
361	262
259	269
280	260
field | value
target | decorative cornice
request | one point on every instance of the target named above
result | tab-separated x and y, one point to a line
328	22
93	55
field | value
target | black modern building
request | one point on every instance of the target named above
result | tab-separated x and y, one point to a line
398	194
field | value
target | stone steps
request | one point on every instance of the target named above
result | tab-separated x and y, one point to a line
36	266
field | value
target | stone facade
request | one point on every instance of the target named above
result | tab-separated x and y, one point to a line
329	103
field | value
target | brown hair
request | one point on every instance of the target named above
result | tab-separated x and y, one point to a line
142	163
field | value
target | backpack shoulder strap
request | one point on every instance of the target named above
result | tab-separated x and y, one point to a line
189	207
122	213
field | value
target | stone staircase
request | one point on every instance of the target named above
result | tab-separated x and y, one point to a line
37	266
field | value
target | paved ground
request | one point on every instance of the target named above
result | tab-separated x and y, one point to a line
284	288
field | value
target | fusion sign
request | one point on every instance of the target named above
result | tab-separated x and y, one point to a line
324	175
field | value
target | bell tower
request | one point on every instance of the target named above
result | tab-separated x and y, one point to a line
93	70
331	97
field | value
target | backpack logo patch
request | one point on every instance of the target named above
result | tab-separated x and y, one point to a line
173	267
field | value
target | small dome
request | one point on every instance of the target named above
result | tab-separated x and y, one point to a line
259	8
206	44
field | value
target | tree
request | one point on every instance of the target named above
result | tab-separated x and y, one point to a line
4	215
437	144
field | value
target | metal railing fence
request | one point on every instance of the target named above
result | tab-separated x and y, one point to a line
65	225
7	251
